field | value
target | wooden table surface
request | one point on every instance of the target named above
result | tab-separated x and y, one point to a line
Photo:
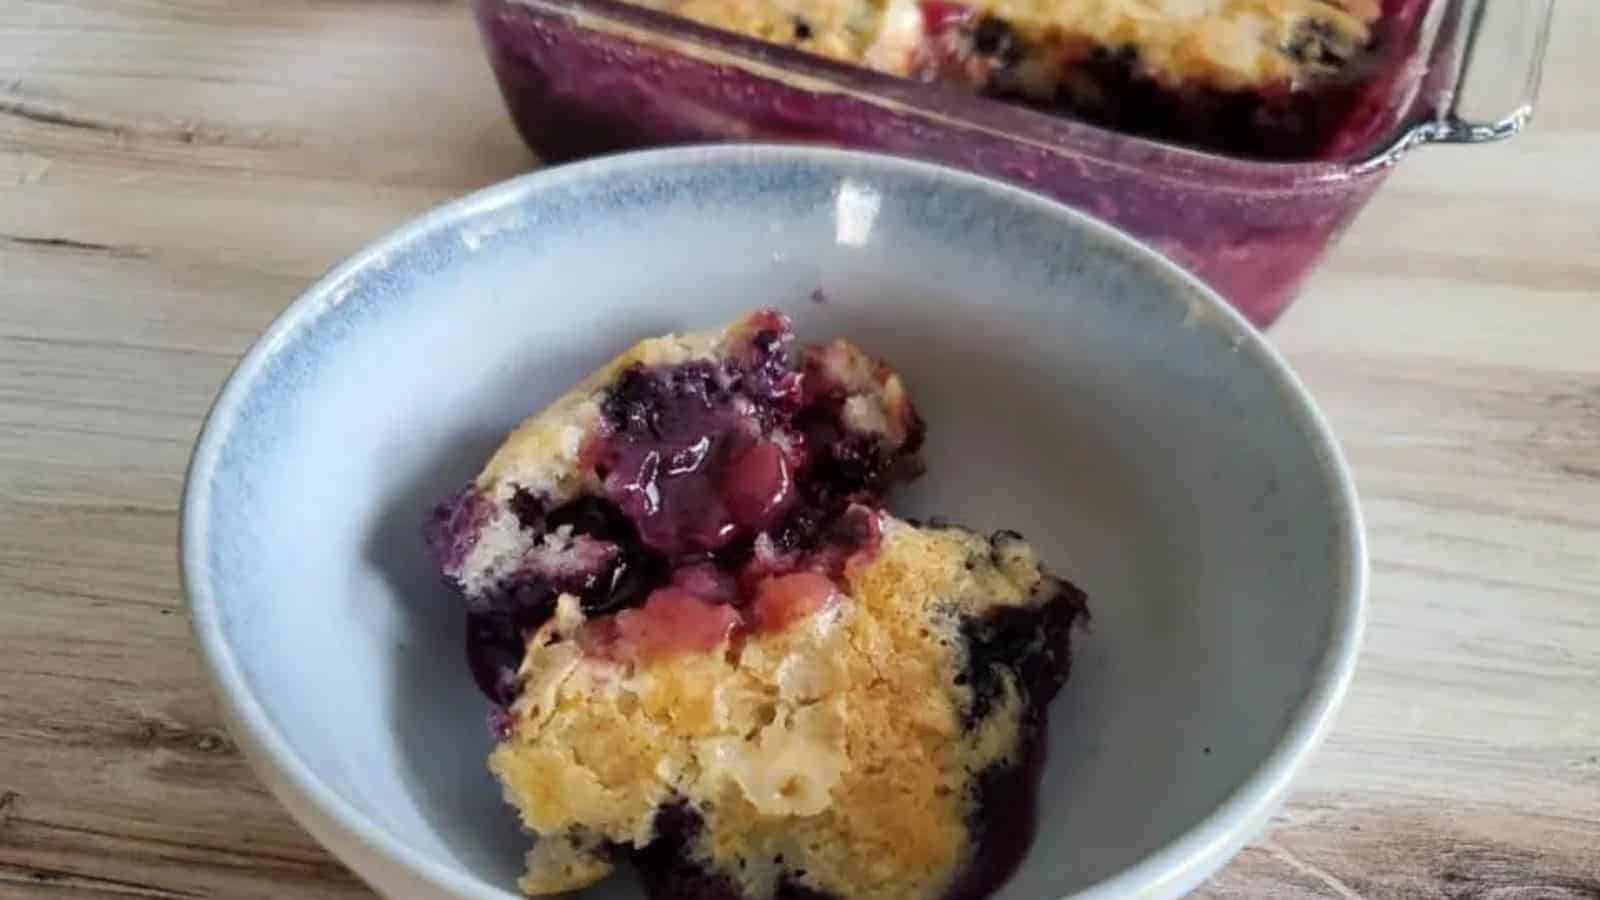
174	172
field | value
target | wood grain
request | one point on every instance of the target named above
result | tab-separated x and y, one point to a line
173	172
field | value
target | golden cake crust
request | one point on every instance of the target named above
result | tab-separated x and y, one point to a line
1224	44
836	744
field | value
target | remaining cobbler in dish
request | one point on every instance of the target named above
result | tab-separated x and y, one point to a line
1257	77
716	656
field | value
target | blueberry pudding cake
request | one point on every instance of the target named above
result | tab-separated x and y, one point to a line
714	655
1264	78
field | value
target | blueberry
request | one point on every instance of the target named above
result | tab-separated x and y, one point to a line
528	509
1030	643
452	528
594	516
994	38
669	870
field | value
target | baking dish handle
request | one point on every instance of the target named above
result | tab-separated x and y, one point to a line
1498	68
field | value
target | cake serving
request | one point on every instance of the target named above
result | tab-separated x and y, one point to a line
713	653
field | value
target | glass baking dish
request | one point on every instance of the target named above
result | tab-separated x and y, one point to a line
582	77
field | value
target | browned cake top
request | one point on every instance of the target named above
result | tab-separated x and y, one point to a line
836	743
1226	44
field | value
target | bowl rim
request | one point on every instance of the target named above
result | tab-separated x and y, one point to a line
1178	865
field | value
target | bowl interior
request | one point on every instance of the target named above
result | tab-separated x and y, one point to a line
1077	389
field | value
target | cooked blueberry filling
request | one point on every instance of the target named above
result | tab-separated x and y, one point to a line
667	868
1030	643
747	467
685	465
1005	816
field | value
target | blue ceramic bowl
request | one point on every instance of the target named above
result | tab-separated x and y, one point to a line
1079	389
